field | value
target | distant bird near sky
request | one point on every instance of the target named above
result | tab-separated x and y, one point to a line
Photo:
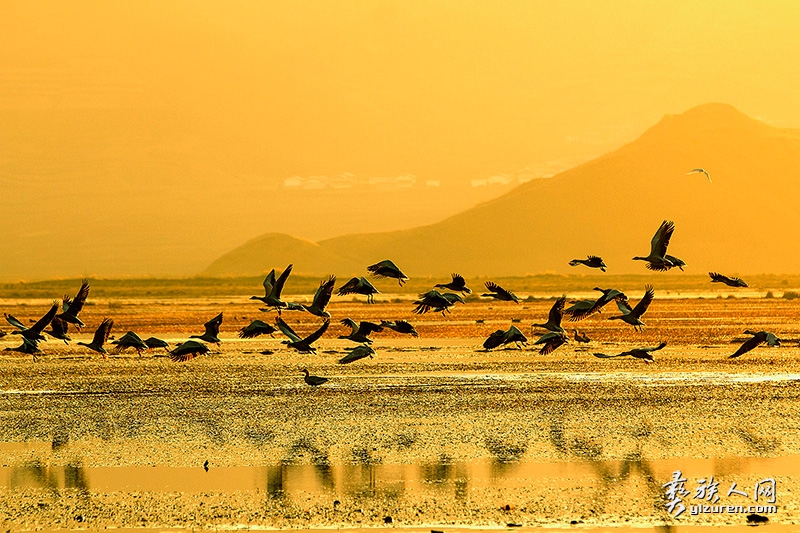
633	316
73	306
212	330
591	261
759	337
458	284
702	171
321	298
188	351
301	345
554	318
639	353
100	337
716	277
658	259
499	293
314	381
359	286
387	269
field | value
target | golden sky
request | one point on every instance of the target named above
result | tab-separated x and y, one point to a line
184	103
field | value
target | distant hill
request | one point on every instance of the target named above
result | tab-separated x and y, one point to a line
746	221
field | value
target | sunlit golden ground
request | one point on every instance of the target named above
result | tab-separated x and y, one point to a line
433	430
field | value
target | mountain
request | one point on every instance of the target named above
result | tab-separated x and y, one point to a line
746	221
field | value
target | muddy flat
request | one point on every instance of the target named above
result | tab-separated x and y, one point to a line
432	432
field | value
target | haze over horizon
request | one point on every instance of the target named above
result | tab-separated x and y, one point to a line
147	139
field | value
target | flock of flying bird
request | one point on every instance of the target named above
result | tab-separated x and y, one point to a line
435	300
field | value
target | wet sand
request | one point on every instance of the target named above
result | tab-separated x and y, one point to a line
431	432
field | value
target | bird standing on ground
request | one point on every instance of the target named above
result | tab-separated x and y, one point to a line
759	337
387	269
301	345
359	286
579	337
314	381
321	298
33	333
716	277
591	261
702	171
458	284
360	332
639	353
212	330
658	259
633	316
499	293
554	318
100	337
72	306
188	351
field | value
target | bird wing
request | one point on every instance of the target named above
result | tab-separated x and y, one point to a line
212	326
76	304
366	328
323	295
772	340
655	349
494	340
495	288
278	287
11	319
716	276
660	241
350	323
348	287
287	330
269	282
102	332
378	268
359	352
748	345
624	307
557	311
641	307
45	320
317	334
552	344
59	326
604	356
459	281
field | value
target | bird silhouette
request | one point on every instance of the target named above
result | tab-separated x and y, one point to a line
212	330
359	286
633	316
702	171
301	345
458	284
580	312
321	298
591	261
314	381
72	306
554	318
551	340
33	333
435	301
359	352
153	342
361	331
100	337
256	328
387	269
639	353
58	329
579	337
187	351
501	338
27	347
499	293
400	326
759	337
130	340
658	259
716	277
273	289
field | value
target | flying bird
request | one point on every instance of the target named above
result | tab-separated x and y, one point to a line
434	300
100	337
581	337
499	293
359	352
458	284
130	340
579	312
554	318
153	343
273	289
314	381
639	353
658	259
212	330
387	269
759	337
501	337
400	326
58	329
188	351
716	277
256	328
27	347
591	261
702	171
33	333
633	316
301	345
72	306
579	308
361	331
321	298
359	286
551	341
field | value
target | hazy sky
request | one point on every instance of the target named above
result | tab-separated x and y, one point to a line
173	121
